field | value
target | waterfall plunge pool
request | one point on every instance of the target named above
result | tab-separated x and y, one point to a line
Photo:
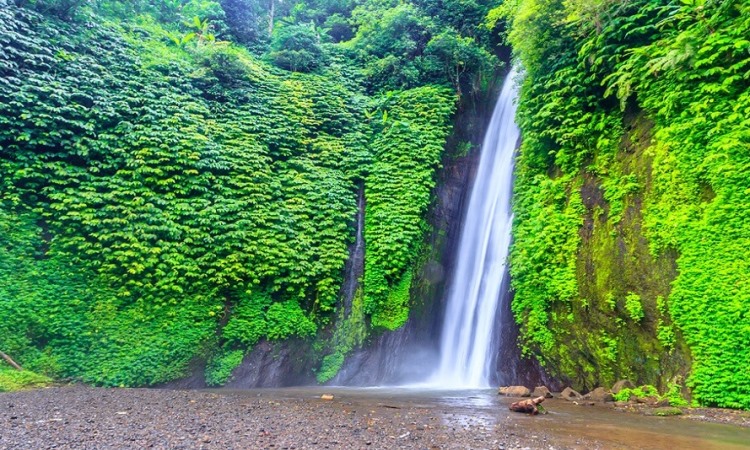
482	411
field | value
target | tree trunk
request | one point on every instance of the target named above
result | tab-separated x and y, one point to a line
10	361
527	406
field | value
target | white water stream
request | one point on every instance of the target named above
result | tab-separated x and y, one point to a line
471	314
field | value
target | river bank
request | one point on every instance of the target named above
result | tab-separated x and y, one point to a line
297	418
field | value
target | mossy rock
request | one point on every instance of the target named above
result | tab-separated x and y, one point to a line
667	411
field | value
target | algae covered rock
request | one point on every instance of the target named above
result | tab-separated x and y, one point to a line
667	411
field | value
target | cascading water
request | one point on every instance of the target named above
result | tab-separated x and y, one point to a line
476	290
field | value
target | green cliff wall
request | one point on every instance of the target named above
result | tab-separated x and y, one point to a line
632	218
172	194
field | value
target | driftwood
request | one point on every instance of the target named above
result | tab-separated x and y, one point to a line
10	361
527	406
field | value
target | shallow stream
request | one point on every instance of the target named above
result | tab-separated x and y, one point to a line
566	425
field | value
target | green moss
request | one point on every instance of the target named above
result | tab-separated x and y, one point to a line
639	392
634	307
16	380
330	366
350	332
220	366
395	311
674	394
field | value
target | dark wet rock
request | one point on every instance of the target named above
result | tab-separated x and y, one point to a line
514	391
570	394
542	391
275	364
599	395
622	384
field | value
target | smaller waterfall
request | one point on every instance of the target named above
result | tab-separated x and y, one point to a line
476	290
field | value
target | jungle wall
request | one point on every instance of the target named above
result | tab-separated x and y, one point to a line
631	198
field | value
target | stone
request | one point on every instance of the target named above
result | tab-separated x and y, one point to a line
651	400
514	391
622	384
667	411
599	395
541	391
570	394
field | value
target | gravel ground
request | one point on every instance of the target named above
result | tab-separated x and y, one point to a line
91	418
79	417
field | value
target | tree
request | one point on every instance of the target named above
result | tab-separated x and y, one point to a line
296	48
459	59
245	18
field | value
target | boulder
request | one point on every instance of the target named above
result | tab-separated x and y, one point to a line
622	384
666	411
599	395
650	400
514	391
570	394
541	391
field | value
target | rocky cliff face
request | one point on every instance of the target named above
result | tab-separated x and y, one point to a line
403	354
622	287
389	357
607	315
411	352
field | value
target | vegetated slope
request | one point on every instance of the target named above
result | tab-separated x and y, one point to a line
633	192
167	196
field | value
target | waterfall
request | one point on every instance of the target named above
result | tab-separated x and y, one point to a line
477	286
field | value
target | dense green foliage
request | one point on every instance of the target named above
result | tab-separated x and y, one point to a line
168	196
673	394
636	132
410	142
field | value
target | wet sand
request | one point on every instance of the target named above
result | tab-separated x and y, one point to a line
297	418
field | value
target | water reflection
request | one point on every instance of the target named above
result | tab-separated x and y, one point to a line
569	425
